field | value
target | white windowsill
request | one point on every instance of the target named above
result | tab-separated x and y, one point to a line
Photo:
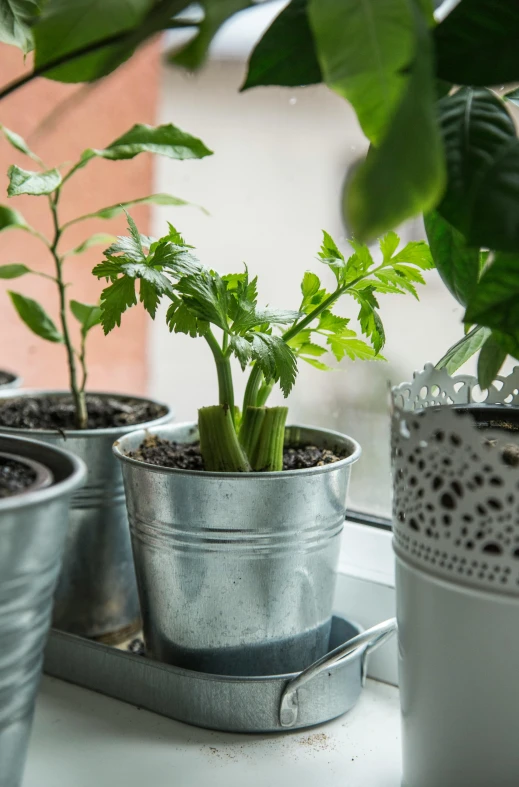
82	739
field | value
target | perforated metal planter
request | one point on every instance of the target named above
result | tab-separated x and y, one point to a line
456	539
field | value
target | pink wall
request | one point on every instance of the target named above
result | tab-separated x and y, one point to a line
117	362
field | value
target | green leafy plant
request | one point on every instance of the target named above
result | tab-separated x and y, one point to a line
165	140
486	283
269	341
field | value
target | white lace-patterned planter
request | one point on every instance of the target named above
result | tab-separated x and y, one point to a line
456	539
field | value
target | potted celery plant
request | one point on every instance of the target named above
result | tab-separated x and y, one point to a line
96	595
236	520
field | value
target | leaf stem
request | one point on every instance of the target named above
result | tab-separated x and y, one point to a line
78	394
223	370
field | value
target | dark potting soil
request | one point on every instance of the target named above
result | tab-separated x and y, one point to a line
181	456
57	412
14	477
5	378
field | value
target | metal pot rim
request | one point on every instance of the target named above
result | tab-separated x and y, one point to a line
15	380
74	479
113	431
265	476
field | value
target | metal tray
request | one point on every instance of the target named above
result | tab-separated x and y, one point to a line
272	703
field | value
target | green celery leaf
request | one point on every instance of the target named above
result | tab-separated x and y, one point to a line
16	17
317	364
87	315
285	55
309	348
476	44
11	220
216	13
491	358
353	348
205	296
255	318
242	349
369	319
275	359
13	271
396	281
482	153
460	352
181	320
457	264
405	173
166	140
417	253
149	296
35	317
388	245
115	299
363	49
12	137
494	302
310	284
23	181
336	325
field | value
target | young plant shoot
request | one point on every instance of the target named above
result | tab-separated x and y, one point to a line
164	140
270	342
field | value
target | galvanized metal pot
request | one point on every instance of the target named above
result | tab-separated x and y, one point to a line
236	572
96	594
33	527
456	539
13	382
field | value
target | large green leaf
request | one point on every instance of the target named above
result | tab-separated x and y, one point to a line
477	43
491	358
457	264
15	20
285	55
363	49
495	301
405	174
482	152
166	140
216	12
115	210
67	26
460	352
24	181
11	219
35	317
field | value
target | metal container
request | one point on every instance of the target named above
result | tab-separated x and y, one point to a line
456	539
13	382
236	571
96	594
33	527
270	703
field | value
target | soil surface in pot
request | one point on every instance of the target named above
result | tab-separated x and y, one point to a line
182	456
57	412
5	378
14	477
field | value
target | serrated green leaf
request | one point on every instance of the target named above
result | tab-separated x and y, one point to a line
369	319
275	359
35	317
180	320
317	364
98	239
166	140
410	273
12	137
87	315
353	348
329	253
242	349
16	17
330	322
396	279
115	299
205	296
257	317
11	219
149	297
13	271
416	252
310	284
491	358
285	55
23	181
460	352
388	245
309	348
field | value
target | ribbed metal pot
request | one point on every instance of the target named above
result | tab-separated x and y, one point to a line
236	571
33	528
13	382
96	594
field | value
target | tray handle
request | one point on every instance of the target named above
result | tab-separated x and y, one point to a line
372	638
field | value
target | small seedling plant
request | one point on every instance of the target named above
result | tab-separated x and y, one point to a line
166	140
224	311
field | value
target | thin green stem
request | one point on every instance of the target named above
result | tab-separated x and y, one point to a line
40	236
223	370
78	394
